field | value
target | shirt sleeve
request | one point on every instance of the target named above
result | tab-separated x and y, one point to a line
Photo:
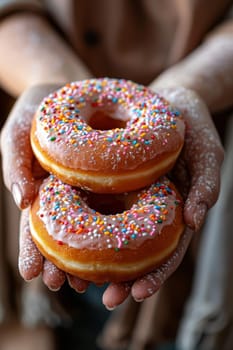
8	7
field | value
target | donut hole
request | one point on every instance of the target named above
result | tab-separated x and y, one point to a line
102	120
108	204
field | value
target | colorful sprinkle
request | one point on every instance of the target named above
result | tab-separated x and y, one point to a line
69	219
63	120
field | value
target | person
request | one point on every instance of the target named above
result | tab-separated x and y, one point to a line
168	47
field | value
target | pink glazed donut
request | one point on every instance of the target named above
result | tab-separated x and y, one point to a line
107	135
72	228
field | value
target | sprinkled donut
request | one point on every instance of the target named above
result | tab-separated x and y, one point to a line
107	135
140	235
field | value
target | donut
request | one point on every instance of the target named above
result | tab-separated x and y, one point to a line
106	238
107	135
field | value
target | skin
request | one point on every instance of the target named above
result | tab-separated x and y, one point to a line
203	170
197	171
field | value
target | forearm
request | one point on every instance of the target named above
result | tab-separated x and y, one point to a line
208	71
33	53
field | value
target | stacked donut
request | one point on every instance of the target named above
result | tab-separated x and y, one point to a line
101	215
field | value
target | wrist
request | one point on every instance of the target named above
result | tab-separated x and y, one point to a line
207	71
177	79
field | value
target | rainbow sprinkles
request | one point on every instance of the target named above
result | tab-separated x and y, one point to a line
69	219
64	116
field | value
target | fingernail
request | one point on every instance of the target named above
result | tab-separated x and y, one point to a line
54	289
139	300
16	192
80	291
199	216
110	308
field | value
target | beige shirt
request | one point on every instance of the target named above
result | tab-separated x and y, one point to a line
133	39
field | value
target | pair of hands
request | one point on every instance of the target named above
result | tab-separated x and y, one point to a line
196	175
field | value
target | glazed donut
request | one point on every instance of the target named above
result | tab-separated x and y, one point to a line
140	232
107	135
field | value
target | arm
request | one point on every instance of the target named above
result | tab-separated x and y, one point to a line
35	54
193	107
200	83
35	62
42	59
208	70
205	74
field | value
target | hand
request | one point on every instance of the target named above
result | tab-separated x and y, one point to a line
20	168
32	263
22	176
201	158
197	175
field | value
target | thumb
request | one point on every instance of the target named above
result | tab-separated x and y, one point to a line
17	161
17	156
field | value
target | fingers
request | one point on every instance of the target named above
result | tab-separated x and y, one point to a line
52	276
115	294
151	283
79	285
17	159
30	259
203	154
31	262
17	156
